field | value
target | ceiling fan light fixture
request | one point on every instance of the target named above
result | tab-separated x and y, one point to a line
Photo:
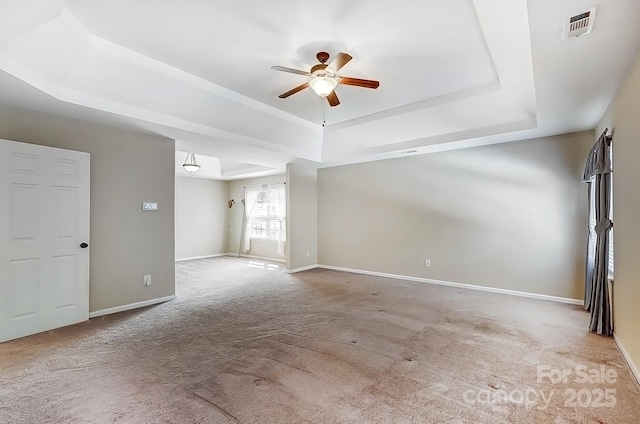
190	164
323	78
323	85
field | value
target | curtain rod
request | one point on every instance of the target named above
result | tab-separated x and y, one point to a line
263	185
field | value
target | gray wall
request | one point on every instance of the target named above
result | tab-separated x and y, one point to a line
263	249
302	214
510	216
126	168
622	118
201	214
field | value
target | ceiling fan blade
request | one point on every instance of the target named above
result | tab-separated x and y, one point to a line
332	98
294	90
338	62
359	82
290	70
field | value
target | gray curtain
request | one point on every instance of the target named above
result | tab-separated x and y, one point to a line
598	171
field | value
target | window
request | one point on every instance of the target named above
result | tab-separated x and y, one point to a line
265	215
265	223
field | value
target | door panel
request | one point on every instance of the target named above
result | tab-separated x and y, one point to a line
24	280
64	219
24	207
66	271
24	163
44	216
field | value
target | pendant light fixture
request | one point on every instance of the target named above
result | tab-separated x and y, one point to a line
190	164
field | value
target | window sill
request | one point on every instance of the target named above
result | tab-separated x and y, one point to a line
263	240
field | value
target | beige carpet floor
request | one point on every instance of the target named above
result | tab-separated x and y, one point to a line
247	343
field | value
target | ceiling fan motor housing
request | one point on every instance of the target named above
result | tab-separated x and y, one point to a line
319	69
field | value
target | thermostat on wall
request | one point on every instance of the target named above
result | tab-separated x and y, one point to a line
150	206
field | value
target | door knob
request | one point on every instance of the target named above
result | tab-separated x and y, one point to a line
84	245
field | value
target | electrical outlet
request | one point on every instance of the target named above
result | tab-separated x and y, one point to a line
307	253
427	263
147	280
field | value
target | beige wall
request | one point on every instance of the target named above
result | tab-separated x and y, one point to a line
302	214
126	169
263	249
510	216
622	118
201	214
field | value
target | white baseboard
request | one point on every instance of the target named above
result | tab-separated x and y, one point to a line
304	268
459	285
201	257
262	258
627	357
130	306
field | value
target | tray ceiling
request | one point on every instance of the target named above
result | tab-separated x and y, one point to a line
452	74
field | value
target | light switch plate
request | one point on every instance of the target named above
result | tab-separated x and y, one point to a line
150	206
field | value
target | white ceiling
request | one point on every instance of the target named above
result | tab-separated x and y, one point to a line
452	74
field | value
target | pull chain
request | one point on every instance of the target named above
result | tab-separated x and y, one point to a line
324	113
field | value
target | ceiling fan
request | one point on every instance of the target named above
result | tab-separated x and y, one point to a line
324	79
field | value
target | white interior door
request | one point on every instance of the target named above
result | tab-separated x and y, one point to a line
44	221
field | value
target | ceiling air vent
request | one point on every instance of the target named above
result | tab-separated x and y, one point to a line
580	24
